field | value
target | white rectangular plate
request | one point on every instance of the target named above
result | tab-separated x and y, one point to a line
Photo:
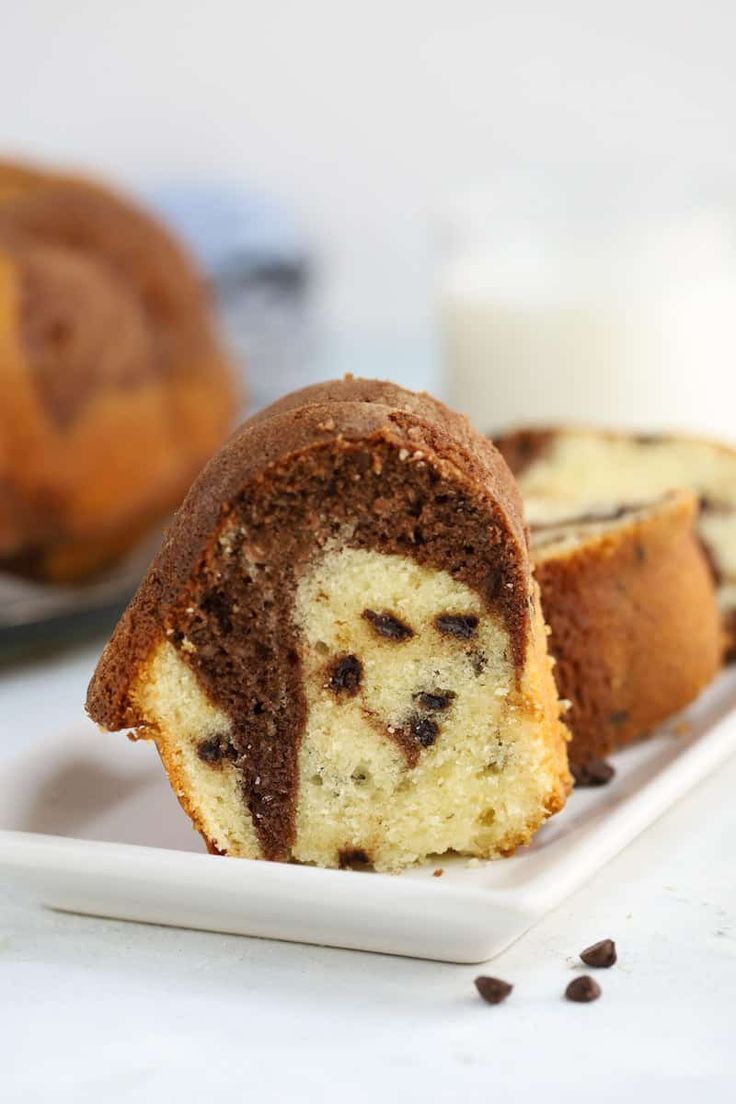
88	824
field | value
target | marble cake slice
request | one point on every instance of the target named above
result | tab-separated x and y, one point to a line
339	649
631	605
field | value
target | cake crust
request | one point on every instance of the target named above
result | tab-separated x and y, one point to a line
635	628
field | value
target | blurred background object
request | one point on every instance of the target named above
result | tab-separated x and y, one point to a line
526	208
115	389
260	272
602	297
365	121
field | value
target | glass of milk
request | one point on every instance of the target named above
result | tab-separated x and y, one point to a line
562	305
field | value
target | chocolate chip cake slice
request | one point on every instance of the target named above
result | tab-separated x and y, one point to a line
566	471
339	649
635	629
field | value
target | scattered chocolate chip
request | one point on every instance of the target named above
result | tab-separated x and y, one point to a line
424	729
209	751
583	990
388	626
596	772
620	717
493	990
437	701
479	661
354	857
463	626
600	955
346	674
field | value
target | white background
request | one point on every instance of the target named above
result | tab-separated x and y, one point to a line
370	118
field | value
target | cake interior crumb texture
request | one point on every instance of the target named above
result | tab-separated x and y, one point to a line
478	785
584	467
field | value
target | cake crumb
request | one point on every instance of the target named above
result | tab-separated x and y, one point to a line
438	872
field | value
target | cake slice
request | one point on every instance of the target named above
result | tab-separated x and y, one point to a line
339	649
634	624
567	471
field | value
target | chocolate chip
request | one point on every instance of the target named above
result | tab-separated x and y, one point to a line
425	730
209	751
353	857
463	626
600	955
620	717
583	990
493	990
596	772
388	626
437	701
479	660
346	674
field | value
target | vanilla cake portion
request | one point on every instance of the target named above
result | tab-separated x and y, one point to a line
634	624
339	650
567	471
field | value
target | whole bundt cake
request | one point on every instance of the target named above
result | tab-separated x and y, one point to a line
114	388
339	650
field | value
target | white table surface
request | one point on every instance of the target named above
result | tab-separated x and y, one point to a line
95	1010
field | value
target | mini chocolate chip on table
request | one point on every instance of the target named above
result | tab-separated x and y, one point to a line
601	955
583	990
493	990
388	626
462	625
596	772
